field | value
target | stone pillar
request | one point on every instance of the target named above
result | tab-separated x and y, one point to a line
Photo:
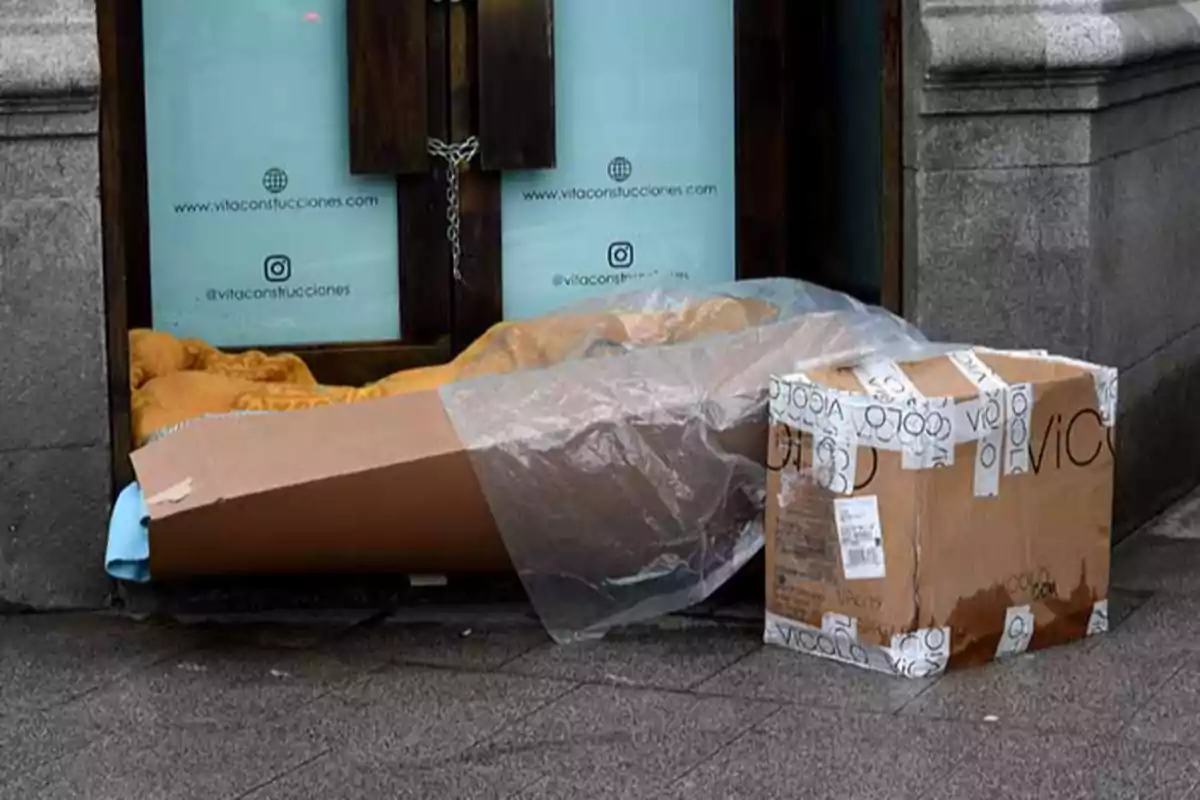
55	478
1052	169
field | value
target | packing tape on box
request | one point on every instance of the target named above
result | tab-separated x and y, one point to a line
986	419
178	426
920	654
1098	622
840	625
1107	379
990	414
1017	633
884	381
840	422
895	416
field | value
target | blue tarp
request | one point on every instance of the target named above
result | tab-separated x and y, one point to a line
128	555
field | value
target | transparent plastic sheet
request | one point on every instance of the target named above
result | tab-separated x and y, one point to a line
630	487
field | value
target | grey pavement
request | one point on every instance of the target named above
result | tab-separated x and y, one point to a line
451	702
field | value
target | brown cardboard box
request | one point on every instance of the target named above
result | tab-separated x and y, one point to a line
942	512
379	486
582	473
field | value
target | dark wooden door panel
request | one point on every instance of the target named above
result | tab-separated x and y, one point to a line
124	211
892	292
515	59
477	287
763	150
424	250
389	89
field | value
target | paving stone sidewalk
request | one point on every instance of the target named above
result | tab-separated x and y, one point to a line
478	704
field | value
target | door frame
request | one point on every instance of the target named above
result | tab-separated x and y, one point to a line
779	215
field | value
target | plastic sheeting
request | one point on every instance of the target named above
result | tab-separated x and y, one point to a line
633	486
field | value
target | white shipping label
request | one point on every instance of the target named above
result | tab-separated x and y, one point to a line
922	653
1018	632
1098	623
1020	422
861	536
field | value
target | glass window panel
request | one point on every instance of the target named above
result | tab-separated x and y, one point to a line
644	190
259	235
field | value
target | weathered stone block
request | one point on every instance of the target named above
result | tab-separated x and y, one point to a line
1052	158
53	380
49	47
1003	257
53	167
1158	461
1146	249
53	518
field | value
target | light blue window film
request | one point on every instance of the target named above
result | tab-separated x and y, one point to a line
644	188
259	234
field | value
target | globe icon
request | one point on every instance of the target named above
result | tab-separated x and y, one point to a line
619	169
275	180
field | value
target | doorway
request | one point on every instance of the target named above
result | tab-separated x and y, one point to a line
276	174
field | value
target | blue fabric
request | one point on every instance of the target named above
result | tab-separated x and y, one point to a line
128	555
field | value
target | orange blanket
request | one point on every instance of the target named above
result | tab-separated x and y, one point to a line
174	380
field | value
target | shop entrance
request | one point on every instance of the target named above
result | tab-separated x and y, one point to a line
277	173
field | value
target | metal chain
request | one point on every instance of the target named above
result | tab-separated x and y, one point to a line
456	157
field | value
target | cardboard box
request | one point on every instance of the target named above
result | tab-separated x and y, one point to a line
595	471
941	512
372	487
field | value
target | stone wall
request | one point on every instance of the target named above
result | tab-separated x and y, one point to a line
1053	200
54	428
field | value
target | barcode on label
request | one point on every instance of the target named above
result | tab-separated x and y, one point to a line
858	534
859	557
861	537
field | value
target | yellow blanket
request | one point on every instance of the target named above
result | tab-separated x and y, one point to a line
174	380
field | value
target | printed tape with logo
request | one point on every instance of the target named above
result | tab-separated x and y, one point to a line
989	420
920	654
895	416
884	381
1098	622
841	421
1107	379
1018	632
